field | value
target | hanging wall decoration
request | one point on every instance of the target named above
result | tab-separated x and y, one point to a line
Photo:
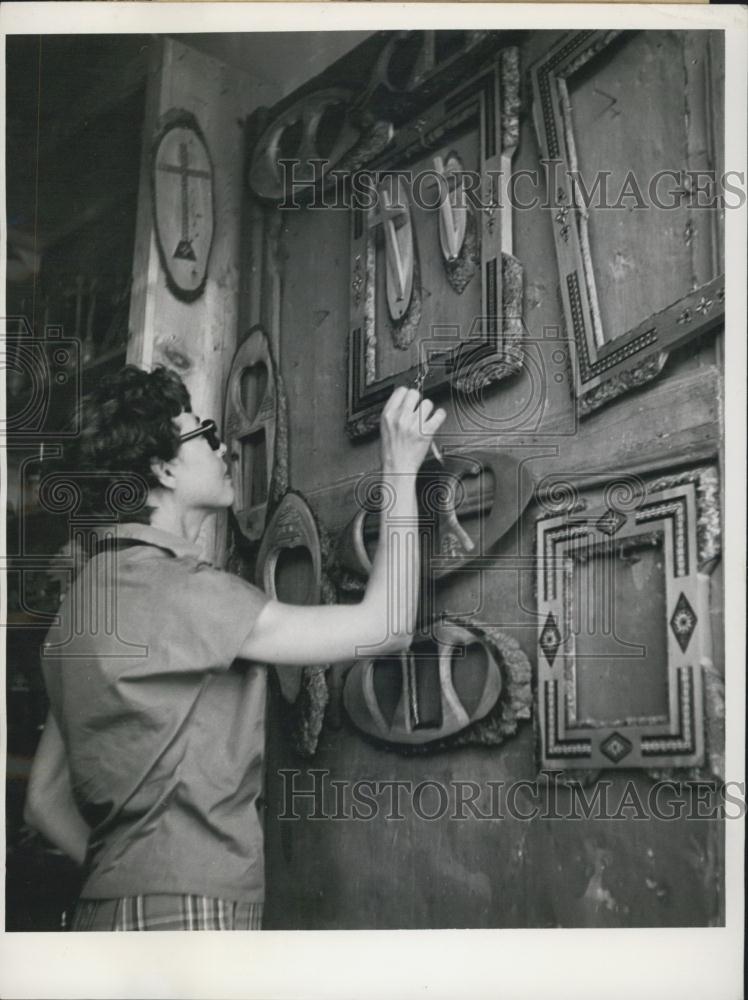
317	122
182	201
464	684
624	625
459	236
289	568
256	433
625	315
462	250
468	502
334	130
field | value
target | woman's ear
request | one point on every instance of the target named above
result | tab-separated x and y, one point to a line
163	473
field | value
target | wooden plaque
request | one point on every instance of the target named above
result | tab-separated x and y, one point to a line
182	193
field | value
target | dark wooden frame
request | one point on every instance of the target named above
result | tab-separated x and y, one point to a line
602	370
685	510
490	99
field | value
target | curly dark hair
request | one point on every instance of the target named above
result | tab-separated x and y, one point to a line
125	422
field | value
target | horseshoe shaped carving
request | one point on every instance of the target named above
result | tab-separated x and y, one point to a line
442	491
306	115
420	696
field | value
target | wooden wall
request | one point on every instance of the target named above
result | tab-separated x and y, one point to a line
197	339
475	872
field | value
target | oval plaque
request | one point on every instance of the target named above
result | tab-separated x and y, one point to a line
182	193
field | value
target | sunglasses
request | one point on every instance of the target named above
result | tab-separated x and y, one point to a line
207	428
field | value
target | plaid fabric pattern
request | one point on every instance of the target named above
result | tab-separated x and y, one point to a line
166	912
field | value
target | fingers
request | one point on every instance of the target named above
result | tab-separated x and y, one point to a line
434	422
395	401
425	409
408	404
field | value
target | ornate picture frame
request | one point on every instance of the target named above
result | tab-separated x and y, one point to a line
607	366
393	247
675	523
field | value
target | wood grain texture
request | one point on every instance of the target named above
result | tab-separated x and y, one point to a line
196	339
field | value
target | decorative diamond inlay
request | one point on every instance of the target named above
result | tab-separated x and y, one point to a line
616	747
683	622
550	639
611	521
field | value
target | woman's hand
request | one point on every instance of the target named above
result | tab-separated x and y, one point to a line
408	425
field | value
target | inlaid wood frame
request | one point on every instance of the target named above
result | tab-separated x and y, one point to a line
676	518
608	365
491	340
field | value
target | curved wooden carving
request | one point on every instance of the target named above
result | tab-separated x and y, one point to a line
289	568
351	551
425	682
254	429
397	226
305	117
444	486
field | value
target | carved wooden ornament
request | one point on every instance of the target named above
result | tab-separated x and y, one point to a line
289	568
498	501
606	699
267	177
397	226
253	415
182	195
452	207
427	693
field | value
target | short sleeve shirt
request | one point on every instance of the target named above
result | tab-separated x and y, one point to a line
164	727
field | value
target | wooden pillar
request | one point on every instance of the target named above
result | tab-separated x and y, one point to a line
197	339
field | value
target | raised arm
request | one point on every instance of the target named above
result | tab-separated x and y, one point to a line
50	807
384	621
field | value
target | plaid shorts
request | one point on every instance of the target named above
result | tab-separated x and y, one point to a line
166	912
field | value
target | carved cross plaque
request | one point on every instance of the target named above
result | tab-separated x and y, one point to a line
182	189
